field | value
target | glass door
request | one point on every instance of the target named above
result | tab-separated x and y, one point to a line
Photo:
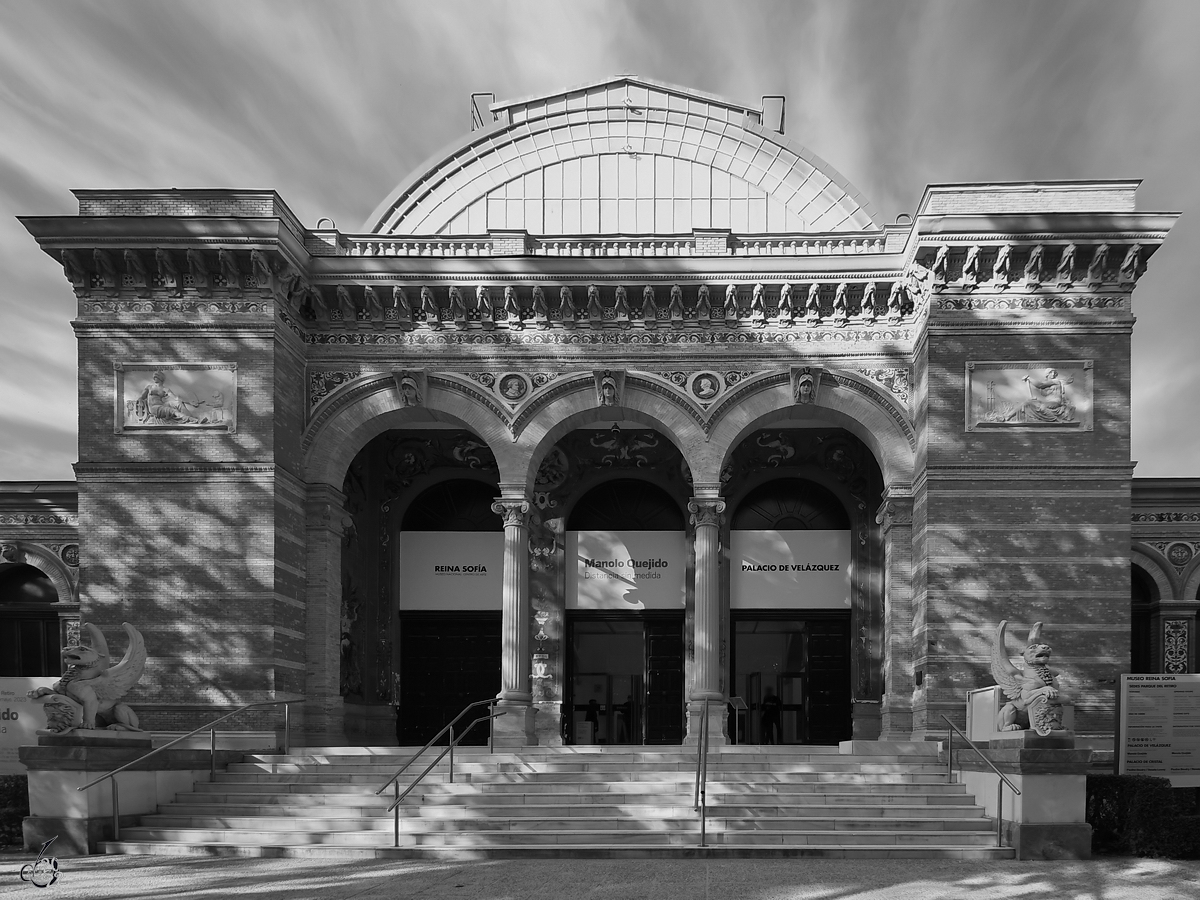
794	675
626	680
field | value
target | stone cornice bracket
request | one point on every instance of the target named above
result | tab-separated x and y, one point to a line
412	386
610	386
806	384
705	511
897	511
514	511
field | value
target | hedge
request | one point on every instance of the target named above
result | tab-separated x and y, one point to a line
14	807
1138	815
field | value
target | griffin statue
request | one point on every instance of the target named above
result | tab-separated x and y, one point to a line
1033	694
89	693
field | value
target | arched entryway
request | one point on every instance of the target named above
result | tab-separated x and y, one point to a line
803	586
422	567
626	553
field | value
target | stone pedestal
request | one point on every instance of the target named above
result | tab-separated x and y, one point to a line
547	724
1047	820
717	715
517	728
58	765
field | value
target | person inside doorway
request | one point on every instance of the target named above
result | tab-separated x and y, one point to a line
624	713
770	706
592	717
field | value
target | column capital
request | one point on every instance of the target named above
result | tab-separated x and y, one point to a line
514	511
893	512
706	510
325	506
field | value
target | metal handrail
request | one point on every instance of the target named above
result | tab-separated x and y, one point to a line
999	784
395	807
212	744
491	702
701	800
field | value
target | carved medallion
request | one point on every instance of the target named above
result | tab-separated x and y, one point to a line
705	386
513	387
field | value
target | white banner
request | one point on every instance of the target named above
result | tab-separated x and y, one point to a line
20	719
789	569
447	570
627	570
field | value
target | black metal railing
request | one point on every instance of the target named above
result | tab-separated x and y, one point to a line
999	784
701	805
210	727
454	740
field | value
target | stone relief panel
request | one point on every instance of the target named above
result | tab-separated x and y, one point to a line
1029	395
173	395
705	386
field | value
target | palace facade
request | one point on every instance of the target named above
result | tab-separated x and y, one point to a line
624	403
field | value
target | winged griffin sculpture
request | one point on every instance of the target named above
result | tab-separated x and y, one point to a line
89	693
1033	694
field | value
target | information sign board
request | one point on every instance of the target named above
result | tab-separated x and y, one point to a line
627	570
1160	727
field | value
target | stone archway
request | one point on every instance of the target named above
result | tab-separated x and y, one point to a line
341	426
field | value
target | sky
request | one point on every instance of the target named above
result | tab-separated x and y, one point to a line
333	104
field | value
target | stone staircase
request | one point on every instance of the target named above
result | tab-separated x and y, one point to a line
575	801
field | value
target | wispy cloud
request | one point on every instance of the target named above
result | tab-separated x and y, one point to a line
333	104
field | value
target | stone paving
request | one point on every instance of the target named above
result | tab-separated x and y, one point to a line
128	877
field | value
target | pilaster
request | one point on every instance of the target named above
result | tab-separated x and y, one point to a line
326	523
895	517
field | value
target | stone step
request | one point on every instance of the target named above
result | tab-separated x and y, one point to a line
484	808
758	816
657	819
541	850
685	833
382	772
533	778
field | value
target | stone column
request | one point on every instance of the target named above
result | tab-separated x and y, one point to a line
895	517
326	523
706	519
516	696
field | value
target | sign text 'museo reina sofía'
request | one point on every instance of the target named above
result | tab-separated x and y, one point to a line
789	569
1160	727
627	569
451	570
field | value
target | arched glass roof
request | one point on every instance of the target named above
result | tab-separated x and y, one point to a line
624	156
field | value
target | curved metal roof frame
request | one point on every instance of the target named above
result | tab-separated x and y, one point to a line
546	130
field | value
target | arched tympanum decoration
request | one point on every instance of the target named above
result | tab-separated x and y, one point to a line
1190	593
359	411
49	564
575	404
1152	563
854	404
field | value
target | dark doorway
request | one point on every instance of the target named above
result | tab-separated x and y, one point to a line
29	627
1143	600
793	671
626	680
446	662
